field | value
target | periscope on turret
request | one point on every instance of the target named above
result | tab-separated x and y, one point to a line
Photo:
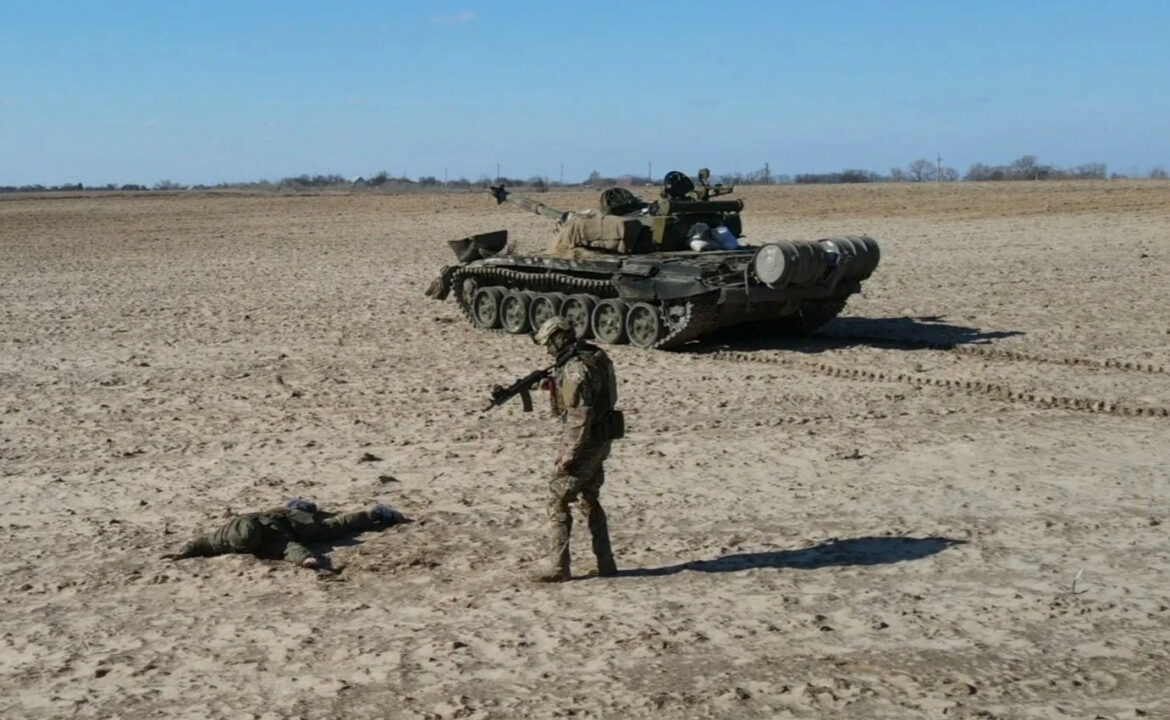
655	274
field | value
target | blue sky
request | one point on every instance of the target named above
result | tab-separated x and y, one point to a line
211	91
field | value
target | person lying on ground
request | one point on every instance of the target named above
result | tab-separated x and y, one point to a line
284	532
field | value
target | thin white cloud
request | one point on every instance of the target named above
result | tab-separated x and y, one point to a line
457	19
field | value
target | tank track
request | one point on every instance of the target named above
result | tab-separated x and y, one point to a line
696	317
994	353
995	391
540	282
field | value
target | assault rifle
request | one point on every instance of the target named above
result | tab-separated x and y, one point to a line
523	386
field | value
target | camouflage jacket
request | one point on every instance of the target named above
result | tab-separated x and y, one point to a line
584	395
272	532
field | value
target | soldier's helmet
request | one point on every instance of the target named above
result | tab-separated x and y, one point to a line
551	327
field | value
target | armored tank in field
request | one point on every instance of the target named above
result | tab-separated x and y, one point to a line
654	274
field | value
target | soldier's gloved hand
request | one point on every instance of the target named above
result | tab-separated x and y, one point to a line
387	515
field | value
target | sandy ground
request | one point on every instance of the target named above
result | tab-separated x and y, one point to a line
887	521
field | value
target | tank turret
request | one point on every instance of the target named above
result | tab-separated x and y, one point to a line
626	224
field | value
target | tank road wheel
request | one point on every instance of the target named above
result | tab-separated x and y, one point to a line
609	321
485	307
514	312
543	307
644	325
578	310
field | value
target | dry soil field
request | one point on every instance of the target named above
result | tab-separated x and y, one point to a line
885	521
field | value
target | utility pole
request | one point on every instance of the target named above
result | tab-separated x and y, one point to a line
649	171
767	174
444	177
938	170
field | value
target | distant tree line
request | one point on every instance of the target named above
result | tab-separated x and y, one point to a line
921	170
834	178
1026	168
71	187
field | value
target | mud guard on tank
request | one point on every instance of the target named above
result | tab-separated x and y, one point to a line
633	287
440	287
479	246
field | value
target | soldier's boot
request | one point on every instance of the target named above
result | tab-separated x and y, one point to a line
599	529
560	526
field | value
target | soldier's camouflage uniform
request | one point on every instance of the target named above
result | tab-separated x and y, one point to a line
281	533
583	396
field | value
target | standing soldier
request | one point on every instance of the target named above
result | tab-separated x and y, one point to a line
583	390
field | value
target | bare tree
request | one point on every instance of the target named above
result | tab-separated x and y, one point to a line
1025	168
921	170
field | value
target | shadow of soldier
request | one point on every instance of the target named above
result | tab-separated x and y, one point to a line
832	552
890	333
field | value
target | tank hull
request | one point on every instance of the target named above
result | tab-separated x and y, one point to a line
660	300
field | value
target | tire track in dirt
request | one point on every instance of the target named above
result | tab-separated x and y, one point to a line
975	388
994	353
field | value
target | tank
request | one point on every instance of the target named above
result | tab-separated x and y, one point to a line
654	274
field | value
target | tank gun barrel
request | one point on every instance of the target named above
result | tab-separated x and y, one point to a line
501	194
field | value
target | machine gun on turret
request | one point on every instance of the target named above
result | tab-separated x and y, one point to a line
706	191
